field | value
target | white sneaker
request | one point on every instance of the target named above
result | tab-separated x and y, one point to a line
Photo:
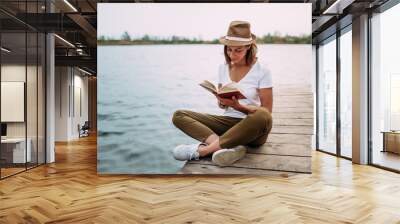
187	152
226	157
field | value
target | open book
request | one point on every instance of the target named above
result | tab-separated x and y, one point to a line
226	91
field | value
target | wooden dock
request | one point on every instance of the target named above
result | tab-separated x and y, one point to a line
288	148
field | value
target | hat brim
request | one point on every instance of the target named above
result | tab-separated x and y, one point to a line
235	43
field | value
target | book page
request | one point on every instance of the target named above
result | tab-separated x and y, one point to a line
230	87
209	86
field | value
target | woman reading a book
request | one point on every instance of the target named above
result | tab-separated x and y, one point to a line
245	122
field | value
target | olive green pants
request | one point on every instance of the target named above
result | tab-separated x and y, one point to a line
252	130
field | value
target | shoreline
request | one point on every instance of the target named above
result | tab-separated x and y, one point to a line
158	44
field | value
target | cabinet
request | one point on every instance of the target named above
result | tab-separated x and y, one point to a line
391	141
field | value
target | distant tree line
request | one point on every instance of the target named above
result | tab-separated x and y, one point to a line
126	39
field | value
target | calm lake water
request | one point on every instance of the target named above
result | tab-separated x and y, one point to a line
140	87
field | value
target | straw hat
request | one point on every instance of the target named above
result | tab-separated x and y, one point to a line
239	34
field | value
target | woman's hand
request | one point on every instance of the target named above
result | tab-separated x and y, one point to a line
220	105
234	103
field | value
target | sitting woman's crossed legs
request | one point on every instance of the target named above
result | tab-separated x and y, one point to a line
222	132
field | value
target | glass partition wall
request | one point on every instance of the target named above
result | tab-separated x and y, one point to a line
334	90
345	61
13	86
22	98
334	93
327	95
385	89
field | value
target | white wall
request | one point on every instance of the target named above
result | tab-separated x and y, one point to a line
12	73
70	83
81	84
33	126
62	81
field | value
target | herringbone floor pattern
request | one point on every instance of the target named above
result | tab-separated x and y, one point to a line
70	191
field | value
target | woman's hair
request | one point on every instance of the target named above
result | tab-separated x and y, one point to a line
250	54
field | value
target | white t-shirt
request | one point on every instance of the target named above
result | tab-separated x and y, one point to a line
258	77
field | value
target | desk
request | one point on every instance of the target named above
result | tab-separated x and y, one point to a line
16	147
391	141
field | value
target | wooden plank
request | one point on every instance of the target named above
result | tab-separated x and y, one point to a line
191	168
298	92
297	88
289	138
292	104
268	162
292	91
305	130
280	94
293	109
293	88
293	121
294	100
293	85
292	114
305	97
309	95
282	149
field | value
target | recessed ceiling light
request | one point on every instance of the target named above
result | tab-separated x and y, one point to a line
64	40
84	71
338	6
70	5
5	49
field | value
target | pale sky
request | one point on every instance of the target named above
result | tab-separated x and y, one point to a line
205	20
